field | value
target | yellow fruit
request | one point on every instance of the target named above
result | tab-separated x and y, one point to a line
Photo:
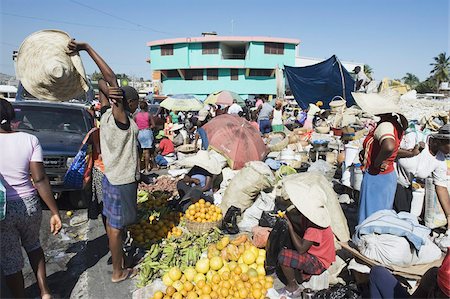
254	266
166	280
254	250
252	272
191	295
241	259
216	263
248	257
69	213
224	292
175	273
216	279
158	295
224	269
206	290
260	260
237	270
183	278
205	296
170	291
256	293
202	266
262	252
243	293
260	270
210	275
225	276
201	201
198	277
188	286
214	295
177	296
244	267
200	284
190	273
178	285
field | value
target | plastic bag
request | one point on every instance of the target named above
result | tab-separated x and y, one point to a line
260	236
339	292
279	238
434	216
251	216
229	223
268	219
387	249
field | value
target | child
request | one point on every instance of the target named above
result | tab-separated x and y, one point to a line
311	235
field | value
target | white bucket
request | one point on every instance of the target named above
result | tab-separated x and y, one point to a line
356	177
418	197
351	153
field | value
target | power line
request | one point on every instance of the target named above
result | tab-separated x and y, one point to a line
68	23
120	18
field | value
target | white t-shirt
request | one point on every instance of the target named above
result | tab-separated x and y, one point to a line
362	76
422	166
277	117
385	130
17	150
234	109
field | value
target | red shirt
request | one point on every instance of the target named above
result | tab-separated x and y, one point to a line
372	147
324	251
166	147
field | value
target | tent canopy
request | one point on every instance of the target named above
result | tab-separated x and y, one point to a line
320	82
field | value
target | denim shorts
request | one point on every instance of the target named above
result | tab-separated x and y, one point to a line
20	228
145	138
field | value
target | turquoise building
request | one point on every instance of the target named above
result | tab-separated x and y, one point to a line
202	65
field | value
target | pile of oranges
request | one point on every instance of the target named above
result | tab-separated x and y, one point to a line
156	228
202	212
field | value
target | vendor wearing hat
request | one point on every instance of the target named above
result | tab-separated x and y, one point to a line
179	135
430	162
165	150
311	235
379	152
198	182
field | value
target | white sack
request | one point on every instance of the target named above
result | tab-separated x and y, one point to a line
387	249
251	216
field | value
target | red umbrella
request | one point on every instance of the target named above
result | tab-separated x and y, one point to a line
236	139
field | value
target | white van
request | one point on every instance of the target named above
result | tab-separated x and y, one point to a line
8	92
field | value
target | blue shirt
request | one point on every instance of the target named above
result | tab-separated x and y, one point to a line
202	133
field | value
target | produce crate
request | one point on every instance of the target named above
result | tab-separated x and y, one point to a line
201	227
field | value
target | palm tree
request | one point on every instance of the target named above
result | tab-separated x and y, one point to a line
441	68
368	71
411	79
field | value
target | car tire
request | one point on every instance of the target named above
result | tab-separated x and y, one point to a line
80	199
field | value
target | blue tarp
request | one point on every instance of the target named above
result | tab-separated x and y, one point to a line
320	82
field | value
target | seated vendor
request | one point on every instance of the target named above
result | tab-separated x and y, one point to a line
311	235
198	182
165	150
179	135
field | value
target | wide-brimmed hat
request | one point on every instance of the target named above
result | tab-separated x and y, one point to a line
160	134
46	70
203	114
176	127
309	200
443	133
204	160
375	104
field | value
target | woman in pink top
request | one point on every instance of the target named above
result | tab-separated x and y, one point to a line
21	154
146	124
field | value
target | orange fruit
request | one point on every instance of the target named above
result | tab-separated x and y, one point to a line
237	270
206	289
224	292
244	277
214	295
226	284
243	293
188	286
201	284
225	275
257	293
170	290
201	201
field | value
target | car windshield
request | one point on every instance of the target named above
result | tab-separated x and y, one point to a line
49	119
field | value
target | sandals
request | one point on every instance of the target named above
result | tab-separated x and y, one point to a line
130	273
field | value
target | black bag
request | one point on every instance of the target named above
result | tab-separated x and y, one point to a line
279	239
339	292
229	223
268	219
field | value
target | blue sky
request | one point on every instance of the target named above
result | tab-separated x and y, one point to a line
392	36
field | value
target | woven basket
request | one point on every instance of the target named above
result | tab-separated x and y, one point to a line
337	104
280	145
199	227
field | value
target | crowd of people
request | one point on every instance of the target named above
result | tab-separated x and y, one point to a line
128	133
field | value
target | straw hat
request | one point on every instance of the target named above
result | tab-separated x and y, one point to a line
375	104
46	70
309	199
176	127
203	114
204	160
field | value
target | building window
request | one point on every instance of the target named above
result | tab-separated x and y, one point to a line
234	74
194	75
274	48
212	74
166	50
260	73
173	74
210	48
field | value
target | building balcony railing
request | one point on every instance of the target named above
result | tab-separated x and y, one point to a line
233	56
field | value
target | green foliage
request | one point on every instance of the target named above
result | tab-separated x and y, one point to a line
427	86
368	71
96	76
441	69
411	79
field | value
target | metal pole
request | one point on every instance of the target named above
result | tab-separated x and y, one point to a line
342	79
